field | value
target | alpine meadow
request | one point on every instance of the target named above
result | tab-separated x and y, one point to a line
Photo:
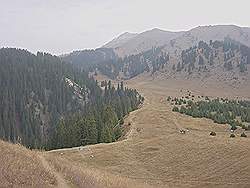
95	95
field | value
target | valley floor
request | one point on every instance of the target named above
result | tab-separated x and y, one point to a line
155	153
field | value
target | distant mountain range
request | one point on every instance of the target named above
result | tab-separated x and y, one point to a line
134	43
215	53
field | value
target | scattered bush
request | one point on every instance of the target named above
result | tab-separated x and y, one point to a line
243	134
182	131
212	133
182	110
175	109
244	127
232	135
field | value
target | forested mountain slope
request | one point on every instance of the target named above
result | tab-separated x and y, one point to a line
227	58
39	91
227	54
223	62
89	59
118	67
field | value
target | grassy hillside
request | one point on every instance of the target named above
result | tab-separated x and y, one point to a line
20	167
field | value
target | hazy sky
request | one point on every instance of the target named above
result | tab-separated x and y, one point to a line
60	26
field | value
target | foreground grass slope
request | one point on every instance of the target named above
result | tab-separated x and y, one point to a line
80	175
20	167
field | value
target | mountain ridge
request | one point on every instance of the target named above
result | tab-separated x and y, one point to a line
177	40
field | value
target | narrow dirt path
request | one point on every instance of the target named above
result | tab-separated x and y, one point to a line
61	182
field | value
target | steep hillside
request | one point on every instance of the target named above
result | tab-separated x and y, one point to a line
104	59
224	62
41	95
89	59
116	67
36	94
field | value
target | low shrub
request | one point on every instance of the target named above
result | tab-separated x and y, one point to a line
212	133
232	135
243	134
175	109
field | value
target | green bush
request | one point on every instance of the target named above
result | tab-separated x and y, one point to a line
182	110
233	127
175	109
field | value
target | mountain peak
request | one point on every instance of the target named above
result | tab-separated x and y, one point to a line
121	39
126	35
156	29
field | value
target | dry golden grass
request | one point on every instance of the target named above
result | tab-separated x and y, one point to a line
20	167
82	176
156	153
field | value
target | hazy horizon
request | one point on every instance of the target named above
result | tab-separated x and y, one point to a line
59	27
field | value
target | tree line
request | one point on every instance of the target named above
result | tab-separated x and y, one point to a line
109	64
101	120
